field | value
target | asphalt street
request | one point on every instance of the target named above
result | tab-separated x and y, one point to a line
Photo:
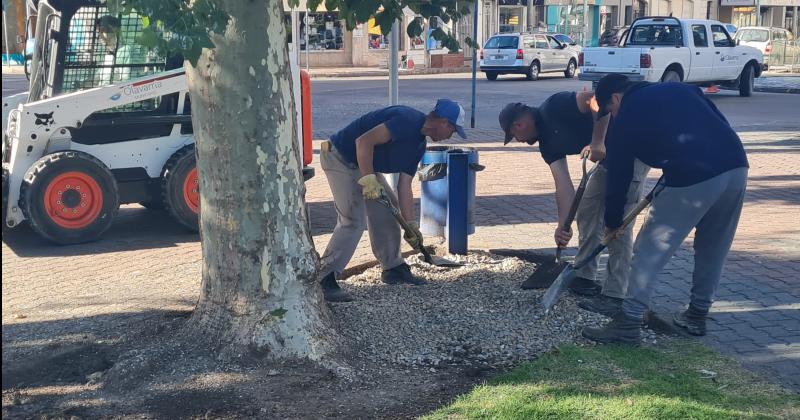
336	102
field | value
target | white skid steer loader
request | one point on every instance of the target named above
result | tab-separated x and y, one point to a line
106	122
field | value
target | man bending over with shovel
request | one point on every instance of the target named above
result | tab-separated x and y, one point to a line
567	124
389	140
671	126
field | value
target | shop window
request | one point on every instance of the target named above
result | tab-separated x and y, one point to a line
325	32
377	41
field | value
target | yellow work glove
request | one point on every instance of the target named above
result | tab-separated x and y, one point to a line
371	188
413	236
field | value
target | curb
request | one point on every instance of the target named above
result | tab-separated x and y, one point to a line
321	73
778	89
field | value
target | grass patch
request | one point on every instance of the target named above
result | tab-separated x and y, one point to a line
680	379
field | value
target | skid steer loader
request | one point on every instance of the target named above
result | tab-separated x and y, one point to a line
105	122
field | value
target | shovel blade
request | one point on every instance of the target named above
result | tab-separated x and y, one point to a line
557	288
544	275
443	262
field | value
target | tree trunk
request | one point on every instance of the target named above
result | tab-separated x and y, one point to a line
259	291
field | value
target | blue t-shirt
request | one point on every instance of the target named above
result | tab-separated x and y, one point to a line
671	126
401	154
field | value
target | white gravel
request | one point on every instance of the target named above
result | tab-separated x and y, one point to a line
474	315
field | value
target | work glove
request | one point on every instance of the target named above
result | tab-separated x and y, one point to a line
413	236
371	188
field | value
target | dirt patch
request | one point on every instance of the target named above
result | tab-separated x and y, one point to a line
414	349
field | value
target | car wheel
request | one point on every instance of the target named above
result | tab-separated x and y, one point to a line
747	81
671	76
533	71
491	75
180	188
569	73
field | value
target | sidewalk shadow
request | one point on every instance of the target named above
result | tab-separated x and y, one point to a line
135	228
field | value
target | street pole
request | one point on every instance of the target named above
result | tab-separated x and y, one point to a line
394	44
474	63
5	38
585	22
305	35
758	12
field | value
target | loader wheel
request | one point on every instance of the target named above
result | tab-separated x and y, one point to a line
69	197
180	188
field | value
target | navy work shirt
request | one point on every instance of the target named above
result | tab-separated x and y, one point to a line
671	126
563	129
402	153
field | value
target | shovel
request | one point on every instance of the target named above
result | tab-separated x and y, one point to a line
568	274
548	271
430	259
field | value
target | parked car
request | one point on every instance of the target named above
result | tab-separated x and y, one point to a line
731	28
566	40
612	37
767	40
527	53
667	49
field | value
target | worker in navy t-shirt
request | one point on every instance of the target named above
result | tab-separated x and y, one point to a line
671	126
389	140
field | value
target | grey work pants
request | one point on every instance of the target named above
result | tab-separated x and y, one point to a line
354	215
712	207
591	228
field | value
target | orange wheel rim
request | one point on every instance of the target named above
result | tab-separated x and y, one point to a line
191	190
73	200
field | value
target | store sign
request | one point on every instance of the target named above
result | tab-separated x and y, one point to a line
512	2
737	2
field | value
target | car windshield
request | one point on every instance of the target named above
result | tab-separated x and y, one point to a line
564	39
753	35
502	43
656	34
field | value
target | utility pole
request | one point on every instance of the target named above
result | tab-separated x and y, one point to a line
474	63
394	44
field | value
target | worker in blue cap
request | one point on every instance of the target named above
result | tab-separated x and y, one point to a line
389	140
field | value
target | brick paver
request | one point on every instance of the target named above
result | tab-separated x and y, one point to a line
147	267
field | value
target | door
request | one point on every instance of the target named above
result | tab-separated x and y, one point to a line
702	64
529	47
500	50
543	53
559	52
726	56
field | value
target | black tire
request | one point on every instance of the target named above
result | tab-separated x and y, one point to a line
490	75
55	205
533	71
174	196
747	81
572	67
671	76
5	196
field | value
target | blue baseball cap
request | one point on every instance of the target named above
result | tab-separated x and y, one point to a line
454	113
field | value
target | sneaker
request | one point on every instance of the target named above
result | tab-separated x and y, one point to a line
602	304
584	287
692	320
399	275
332	291
621	329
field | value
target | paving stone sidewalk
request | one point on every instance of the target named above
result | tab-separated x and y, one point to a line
147	267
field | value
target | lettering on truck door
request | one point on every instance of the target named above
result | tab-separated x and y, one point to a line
727	60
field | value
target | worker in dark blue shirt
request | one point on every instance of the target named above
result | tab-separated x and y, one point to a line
671	126
389	140
566	124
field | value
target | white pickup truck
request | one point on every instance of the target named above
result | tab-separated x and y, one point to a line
662	49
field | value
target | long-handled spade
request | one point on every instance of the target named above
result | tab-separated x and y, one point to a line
430	259
568	274
549	270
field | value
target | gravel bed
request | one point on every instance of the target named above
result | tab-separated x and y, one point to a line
476	315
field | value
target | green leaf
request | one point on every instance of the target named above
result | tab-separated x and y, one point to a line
414	28
279	313
148	38
145	22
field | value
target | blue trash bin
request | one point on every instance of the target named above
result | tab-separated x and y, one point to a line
448	194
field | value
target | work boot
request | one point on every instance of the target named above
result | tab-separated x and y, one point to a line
621	329
692	320
602	304
400	274
584	287
332	291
